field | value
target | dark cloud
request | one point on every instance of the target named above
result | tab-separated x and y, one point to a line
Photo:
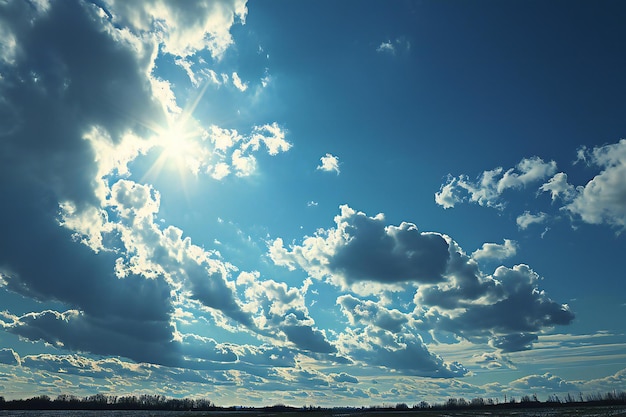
140	340
308	338
72	71
453	295
507	306
344	377
405	353
9	357
388	254
514	342
363	248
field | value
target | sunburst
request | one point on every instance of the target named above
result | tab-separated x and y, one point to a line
179	144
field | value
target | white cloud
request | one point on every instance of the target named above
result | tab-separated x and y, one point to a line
272	135
220	171
183	29
223	139
603	199
558	186
400	44
496	251
244	165
527	218
241	86
280	311
329	163
386	47
490	185
546	382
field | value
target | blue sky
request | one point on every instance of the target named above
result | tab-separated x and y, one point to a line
312	202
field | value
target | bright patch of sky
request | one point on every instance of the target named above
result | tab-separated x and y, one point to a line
422	200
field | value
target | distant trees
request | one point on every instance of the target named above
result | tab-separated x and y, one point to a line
108	402
160	402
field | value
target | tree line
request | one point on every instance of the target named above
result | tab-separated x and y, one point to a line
107	402
163	403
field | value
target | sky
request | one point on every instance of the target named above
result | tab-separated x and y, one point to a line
307	202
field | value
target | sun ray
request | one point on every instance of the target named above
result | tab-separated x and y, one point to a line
179	144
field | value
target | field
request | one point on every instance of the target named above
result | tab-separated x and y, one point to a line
600	411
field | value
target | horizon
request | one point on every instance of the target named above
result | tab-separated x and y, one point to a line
312	202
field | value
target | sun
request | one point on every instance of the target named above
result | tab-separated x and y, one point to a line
174	143
179	144
179	149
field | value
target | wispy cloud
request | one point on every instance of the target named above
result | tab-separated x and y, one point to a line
489	186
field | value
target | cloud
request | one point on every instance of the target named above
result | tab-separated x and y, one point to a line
603	199
493	360
272	135
384	337
182	29
392	47
363	248
329	163
9	357
514	342
344	377
527	218
361	312
281	312
496	251
238	83
507	306
84	86
405	352
558	187
546	382
136	339
490	185
452	295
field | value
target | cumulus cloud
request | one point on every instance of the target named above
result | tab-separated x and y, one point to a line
496	251
558	187
329	163
452	295
362	248
361	312
603	199
489	186
82	105
405	352
281	311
